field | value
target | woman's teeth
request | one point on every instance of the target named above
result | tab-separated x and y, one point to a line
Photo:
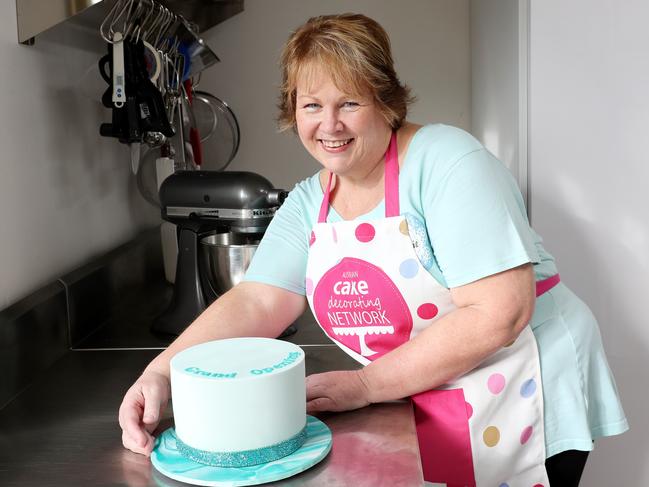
333	144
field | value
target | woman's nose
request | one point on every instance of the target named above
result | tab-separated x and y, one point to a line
331	122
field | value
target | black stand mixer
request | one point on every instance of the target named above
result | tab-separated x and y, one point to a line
203	203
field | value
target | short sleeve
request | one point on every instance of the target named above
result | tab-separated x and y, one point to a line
280	260
476	220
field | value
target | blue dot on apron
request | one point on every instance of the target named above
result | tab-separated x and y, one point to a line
409	268
528	388
503	485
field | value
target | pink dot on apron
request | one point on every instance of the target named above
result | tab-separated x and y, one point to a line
538	485
496	383
334	234
469	410
525	435
427	311
308	284
312	239
365	232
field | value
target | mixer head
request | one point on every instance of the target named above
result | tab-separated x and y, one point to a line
241	201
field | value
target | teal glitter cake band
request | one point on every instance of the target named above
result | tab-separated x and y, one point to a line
243	458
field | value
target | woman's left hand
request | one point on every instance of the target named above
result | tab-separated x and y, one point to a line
336	391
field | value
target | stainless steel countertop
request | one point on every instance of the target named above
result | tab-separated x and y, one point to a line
63	431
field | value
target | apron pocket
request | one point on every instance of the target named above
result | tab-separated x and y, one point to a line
442	421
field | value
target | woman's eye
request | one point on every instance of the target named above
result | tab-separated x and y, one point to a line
351	105
311	107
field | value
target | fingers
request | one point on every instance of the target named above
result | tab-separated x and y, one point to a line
315	385
335	391
140	414
129	420
152	406
135	446
316	394
319	404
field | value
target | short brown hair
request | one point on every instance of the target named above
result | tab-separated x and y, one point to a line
355	51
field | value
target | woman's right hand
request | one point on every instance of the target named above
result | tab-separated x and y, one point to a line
141	409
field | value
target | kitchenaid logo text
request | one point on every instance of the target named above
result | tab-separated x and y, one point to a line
292	357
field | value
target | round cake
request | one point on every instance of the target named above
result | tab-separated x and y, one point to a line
239	401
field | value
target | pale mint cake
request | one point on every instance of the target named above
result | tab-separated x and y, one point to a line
239	401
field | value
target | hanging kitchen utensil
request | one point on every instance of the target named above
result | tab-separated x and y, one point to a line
143	110
146	178
218	129
124	124
139	113
194	135
118	78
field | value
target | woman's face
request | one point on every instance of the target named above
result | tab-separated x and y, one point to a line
347	134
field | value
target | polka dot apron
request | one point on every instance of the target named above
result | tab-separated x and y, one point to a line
370	294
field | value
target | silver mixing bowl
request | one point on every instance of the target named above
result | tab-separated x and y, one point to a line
225	258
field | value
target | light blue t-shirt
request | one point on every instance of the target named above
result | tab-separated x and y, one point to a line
467	218
463	207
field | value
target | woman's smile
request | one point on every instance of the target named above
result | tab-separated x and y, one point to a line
336	145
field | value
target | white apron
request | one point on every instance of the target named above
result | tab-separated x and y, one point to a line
370	294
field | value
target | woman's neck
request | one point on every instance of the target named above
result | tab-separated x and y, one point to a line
355	194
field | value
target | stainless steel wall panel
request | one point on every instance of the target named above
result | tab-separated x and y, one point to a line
33	335
37	16
98	290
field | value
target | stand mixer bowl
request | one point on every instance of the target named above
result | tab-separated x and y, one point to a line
226	257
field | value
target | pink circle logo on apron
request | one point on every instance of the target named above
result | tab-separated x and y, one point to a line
358	305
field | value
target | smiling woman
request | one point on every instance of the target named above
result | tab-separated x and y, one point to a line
414	252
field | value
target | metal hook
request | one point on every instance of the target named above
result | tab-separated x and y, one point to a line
107	36
144	27
155	23
144	16
170	20
132	21
161	22
125	10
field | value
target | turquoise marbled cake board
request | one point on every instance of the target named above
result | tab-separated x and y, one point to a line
167	459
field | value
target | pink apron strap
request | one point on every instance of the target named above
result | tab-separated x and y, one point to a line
391	184
324	206
392	178
545	285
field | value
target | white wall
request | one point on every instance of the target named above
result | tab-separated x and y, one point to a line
589	118
496	79
430	41
66	193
